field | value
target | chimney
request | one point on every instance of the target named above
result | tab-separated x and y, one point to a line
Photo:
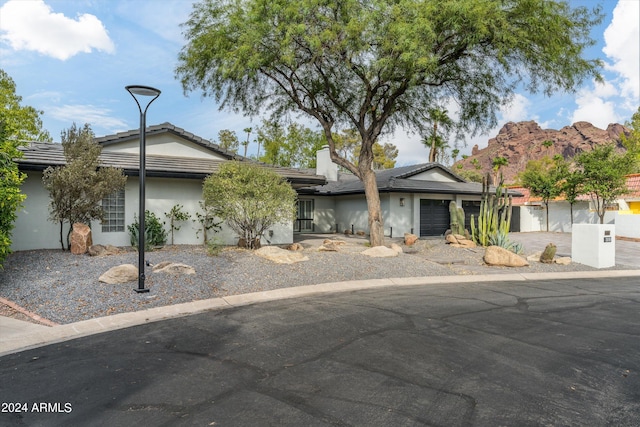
324	165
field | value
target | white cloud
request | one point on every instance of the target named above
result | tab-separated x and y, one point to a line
622	38
517	110
32	25
594	109
98	118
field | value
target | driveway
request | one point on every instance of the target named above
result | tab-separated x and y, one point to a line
552	352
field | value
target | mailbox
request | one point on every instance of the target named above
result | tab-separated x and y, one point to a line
594	245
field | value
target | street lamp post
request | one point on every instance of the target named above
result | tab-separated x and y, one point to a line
142	91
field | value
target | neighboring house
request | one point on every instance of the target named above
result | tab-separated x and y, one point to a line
176	164
624	212
414	199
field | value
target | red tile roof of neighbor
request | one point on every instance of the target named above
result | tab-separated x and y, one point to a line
633	184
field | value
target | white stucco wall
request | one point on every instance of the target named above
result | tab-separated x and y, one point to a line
33	230
433	175
400	218
352	210
627	225
165	144
533	218
324	215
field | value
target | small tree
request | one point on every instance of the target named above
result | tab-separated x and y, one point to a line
603	173
228	140
544	179
249	198
631	141
10	196
572	188
175	216
77	189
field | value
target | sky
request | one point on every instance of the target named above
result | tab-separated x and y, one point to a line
72	59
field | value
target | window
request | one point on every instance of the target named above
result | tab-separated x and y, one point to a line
304	222
113	207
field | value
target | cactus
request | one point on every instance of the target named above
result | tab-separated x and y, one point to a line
494	216
456	219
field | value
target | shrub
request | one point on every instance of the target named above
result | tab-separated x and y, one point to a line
155	234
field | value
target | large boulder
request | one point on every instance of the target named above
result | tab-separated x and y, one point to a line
380	252
410	239
280	256
495	255
124	273
80	238
174	268
396	248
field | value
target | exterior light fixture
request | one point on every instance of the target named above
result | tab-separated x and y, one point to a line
142	91
401	201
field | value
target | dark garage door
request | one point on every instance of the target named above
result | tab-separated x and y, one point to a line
434	217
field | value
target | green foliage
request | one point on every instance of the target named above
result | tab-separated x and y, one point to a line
602	175
154	232
373	65
207	220
249	198
228	140
632	141
76	190
175	216
470	175
494	216
10	196
544	178
289	146
214	246
456	219
437	143
21	123
501	238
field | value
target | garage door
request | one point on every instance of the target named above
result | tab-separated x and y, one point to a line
434	217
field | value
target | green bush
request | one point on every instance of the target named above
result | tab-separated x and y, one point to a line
155	234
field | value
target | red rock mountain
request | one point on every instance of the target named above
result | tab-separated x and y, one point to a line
524	141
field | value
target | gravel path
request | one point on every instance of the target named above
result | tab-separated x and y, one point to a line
64	288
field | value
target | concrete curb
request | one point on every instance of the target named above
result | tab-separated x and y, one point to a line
51	335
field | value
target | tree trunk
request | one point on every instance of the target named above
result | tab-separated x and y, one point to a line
61	239
546	206
376	224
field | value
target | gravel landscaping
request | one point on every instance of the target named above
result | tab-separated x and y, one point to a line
64	288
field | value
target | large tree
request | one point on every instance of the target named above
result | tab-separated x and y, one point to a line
18	125
544	178
602	175
77	189
373	64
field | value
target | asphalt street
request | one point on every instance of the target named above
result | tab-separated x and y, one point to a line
534	353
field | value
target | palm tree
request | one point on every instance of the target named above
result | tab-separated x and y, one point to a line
246	143
497	163
435	142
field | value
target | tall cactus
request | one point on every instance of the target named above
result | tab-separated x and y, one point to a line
456	219
495	213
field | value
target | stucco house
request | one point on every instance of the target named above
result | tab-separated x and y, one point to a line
176	164
415	199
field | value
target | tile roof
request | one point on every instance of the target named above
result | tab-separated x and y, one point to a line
40	155
397	180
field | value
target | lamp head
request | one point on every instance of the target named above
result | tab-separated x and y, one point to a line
142	90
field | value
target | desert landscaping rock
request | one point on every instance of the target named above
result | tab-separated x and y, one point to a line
168	267
380	252
101	250
280	256
410	239
396	247
495	255
295	247
564	260
120	274
80	239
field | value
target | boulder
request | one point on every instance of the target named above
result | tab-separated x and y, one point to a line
334	242
459	241
548	254
534	257
380	252
563	260
295	247
396	248
100	250
120	274
360	233
328	247
495	255
80	239
410	239
280	256
174	268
